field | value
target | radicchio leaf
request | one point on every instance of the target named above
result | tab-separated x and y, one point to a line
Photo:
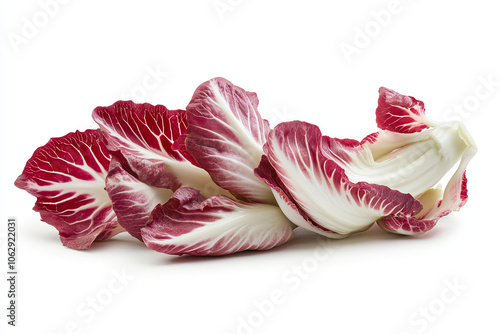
225	135
133	200
191	224
146	138
307	165
400	113
67	176
267	174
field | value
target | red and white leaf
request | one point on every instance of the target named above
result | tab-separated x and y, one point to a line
133	200
295	214
225	135
400	113
307	165
148	141
67	176
191	224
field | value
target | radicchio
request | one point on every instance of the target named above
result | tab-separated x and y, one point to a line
225	135
215	179
67	177
133	200
189	223
341	186
149	141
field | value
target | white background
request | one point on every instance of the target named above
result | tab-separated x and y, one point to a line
91	53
